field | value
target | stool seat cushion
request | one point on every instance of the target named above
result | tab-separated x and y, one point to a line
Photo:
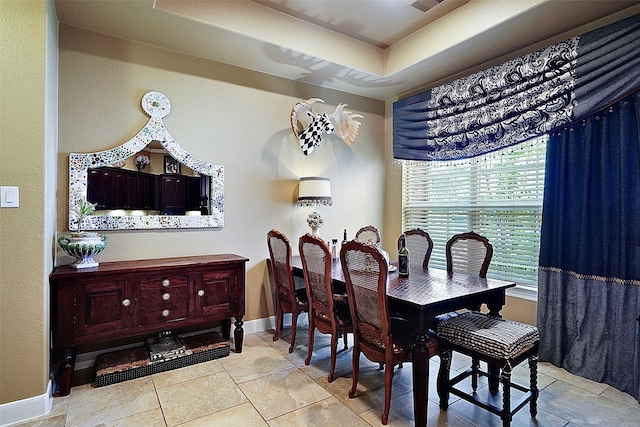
492	336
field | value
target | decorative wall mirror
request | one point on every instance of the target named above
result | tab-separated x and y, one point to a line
170	189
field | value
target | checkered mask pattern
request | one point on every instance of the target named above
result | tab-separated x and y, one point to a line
311	136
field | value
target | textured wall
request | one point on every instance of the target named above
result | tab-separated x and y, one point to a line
25	248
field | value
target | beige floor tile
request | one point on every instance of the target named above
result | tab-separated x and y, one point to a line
282	392
153	418
562	375
46	421
255	363
199	397
90	406
328	412
581	407
370	390
253	341
244	415
168	378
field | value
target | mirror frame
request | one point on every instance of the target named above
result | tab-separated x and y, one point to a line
157	106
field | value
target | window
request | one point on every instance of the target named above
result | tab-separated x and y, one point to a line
498	195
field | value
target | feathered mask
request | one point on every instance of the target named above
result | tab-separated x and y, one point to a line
310	135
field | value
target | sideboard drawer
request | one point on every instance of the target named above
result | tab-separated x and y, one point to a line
163	304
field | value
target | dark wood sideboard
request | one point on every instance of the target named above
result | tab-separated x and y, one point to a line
141	298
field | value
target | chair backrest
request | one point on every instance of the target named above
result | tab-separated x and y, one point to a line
368	233
280	254
469	253
420	246
365	272
316	265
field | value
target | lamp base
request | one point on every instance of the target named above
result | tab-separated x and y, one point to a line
315	221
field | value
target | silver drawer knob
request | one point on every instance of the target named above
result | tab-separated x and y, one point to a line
126	302
201	293
165	313
166	296
166	282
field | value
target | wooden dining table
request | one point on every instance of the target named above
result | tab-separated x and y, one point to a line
422	296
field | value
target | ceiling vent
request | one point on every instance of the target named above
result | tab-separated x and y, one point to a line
425	5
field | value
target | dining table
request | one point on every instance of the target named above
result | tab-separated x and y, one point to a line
420	298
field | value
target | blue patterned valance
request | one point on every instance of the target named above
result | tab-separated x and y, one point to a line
520	99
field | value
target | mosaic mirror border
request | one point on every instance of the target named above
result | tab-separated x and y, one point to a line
157	106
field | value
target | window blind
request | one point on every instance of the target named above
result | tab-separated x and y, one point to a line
498	195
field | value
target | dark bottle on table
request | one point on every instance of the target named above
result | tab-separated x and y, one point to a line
403	258
344	236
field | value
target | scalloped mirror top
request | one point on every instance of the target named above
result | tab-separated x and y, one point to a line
163	214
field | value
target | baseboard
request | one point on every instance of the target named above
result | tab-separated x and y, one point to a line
17	412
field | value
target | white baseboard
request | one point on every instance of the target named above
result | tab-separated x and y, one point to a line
13	413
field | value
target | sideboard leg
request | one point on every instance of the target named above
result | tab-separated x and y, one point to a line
226	329
65	370
238	334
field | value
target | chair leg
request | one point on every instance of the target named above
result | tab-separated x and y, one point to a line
533	385
312	329
506	395
344	337
443	377
355	368
334	349
388	380
475	366
294	328
279	321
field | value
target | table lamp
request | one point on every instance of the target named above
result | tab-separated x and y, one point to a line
314	191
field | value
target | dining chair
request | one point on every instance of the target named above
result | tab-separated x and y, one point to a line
497	342
379	337
288	298
469	253
420	246
367	234
328	310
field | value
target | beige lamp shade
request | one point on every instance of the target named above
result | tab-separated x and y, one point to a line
314	191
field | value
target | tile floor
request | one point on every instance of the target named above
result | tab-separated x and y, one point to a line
267	386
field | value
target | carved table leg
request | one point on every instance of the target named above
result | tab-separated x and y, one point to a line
420	358
65	370
238	334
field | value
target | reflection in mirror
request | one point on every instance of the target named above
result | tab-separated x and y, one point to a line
148	182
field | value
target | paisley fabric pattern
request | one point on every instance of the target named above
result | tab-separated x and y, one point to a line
520	99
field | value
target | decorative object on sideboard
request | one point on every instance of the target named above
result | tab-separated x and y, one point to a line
82	245
314	191
309	133
141	162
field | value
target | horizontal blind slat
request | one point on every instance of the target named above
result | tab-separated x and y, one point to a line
496	195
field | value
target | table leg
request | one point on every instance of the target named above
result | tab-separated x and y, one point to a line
420	359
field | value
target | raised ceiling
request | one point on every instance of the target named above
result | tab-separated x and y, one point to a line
380	49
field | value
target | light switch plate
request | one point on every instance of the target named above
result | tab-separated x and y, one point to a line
9	197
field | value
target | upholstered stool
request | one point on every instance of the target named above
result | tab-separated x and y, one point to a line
498	342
